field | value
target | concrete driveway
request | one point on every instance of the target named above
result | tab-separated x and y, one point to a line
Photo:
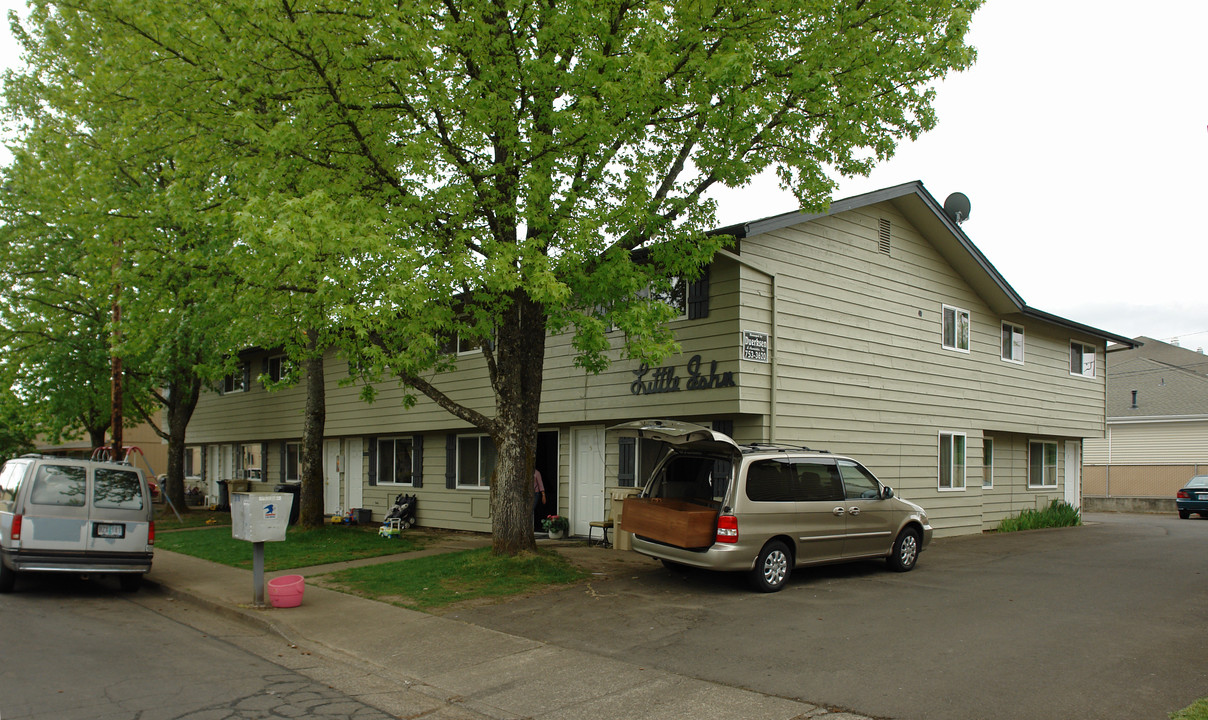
1104	621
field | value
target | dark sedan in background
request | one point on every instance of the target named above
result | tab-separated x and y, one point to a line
1193	498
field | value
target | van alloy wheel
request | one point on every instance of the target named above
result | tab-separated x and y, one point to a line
772	567
905	550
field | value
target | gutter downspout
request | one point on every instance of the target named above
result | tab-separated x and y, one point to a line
774	337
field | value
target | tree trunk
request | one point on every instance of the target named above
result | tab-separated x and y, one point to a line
182	398
311	512
521	354
96	436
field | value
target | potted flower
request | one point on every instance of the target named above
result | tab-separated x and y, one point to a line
556	526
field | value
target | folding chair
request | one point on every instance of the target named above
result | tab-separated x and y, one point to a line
604	526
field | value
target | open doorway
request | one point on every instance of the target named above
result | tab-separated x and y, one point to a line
547	465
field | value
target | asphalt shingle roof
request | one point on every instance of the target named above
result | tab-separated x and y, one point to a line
1168	381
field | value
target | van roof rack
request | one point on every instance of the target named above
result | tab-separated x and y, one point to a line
780	447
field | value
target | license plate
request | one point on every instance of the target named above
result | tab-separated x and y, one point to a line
1201	496
109	530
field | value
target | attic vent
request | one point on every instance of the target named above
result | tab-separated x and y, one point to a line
883	240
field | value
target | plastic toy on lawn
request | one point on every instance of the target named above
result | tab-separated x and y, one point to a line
391	528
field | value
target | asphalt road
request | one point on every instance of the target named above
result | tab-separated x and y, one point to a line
1099	622
83	649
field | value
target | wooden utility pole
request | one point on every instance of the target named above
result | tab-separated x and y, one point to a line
116	421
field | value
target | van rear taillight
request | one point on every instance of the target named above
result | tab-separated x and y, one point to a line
151	533
727	529
16	531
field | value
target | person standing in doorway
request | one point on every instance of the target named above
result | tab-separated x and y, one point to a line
538	492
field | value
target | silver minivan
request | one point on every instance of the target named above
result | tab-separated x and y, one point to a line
777	507
75	516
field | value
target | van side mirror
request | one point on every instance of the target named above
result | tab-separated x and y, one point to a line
886	492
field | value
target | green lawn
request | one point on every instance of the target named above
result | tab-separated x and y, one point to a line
430	582
301	548
166	520
1198	710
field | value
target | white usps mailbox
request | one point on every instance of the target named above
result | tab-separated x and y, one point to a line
259	518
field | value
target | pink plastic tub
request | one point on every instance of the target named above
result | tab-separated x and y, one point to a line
286	591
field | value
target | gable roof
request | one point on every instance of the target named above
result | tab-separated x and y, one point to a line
928	217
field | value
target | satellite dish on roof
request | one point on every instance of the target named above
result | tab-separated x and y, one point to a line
957	207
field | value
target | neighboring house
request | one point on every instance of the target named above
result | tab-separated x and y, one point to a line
876	330
1157	428
142	436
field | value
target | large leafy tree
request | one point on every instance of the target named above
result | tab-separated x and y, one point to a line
493	165
18	426
55	301
117	242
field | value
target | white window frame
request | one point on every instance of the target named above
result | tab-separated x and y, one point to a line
679	287
393	442
237	382
987	463
279	368
1079	352
296	449
1045	469
955	472
483	479
957	315
1013	348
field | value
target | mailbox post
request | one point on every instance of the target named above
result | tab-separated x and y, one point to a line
259	518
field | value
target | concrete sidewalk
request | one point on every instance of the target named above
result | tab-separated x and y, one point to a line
452	669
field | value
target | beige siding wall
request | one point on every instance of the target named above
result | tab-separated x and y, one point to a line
862	370
1150	443
1145	459
1009	493
857	368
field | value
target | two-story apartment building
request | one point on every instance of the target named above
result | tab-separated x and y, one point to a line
877	330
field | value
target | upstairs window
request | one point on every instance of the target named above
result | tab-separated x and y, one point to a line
1082	359
956	329
676	296
279	368
1012	343
237	381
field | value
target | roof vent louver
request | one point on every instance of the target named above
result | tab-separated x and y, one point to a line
883	239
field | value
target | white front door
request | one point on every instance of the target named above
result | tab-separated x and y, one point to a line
1073	473
331	477
352	472
586	477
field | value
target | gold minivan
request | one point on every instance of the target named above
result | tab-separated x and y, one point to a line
74	516
764	509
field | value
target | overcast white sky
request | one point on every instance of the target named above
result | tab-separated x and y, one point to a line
1081	139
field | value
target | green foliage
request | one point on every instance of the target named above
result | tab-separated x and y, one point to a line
17	425
389	177
1198	710
301	547
1058	514
435	581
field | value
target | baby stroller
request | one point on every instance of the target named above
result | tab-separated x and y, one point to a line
400	517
